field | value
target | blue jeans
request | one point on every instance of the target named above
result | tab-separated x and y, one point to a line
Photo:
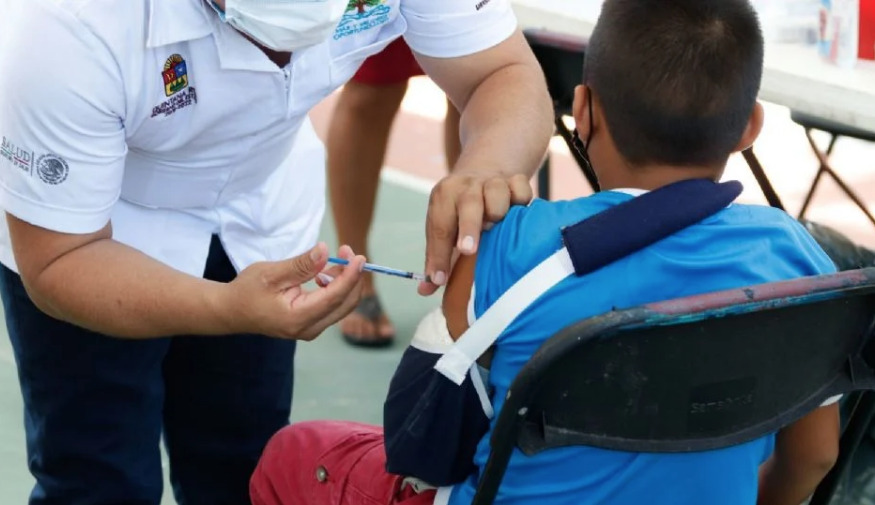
95	407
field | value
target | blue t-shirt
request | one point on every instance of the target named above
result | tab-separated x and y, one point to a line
740	245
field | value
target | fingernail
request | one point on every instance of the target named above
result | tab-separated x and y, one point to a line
325	278
439	278
362	265
468	244
316	253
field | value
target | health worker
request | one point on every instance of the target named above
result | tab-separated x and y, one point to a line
163	191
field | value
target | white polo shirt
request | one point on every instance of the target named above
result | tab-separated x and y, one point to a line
156	115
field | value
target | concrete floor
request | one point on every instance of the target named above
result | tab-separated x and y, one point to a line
333	380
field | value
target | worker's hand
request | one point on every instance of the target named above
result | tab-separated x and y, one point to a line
268	298
461	205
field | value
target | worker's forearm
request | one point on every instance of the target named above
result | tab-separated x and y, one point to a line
507	122
781	485
113	289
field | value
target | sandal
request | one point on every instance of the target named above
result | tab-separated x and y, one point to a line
369	307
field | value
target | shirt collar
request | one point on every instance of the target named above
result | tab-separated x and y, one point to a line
635	192
631	191
172	21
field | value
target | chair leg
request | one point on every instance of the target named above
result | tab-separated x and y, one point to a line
544	178
852	195
832	144
810	195
762	179
823	159
857	428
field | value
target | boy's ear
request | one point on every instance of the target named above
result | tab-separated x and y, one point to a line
579	110
753	128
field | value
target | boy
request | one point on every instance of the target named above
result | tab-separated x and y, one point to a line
669	93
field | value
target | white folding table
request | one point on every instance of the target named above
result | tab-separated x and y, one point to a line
793	76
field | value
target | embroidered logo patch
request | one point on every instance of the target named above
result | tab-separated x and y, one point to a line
362	15
52	169
20	157
176	87
176	102
175	75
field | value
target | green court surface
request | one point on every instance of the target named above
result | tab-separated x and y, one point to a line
332	379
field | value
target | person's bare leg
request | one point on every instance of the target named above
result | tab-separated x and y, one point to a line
452	142
356	146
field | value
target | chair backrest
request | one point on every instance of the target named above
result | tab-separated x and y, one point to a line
561	58
691	374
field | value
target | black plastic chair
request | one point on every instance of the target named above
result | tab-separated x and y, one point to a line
733	366
561	58
835	130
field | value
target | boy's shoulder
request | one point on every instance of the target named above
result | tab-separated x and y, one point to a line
787	239
563	212
768	221
548	217
755	213
541	221
530	233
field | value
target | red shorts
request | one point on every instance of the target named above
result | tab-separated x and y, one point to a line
329	463
394	65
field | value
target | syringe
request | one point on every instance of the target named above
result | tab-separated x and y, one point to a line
370	267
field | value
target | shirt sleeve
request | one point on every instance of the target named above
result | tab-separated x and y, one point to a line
491	274
811	252
453	28
61	121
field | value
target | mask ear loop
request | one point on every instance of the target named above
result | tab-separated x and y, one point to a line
581	149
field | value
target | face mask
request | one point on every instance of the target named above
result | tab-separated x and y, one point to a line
583	149
284	25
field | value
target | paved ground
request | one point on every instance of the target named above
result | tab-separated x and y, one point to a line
336	381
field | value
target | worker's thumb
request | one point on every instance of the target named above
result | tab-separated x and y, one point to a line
300	269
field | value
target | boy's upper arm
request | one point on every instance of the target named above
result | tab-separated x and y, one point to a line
457	295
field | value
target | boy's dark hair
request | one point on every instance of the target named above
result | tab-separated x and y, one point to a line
677	79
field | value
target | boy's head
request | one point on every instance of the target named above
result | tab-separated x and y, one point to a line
671	83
